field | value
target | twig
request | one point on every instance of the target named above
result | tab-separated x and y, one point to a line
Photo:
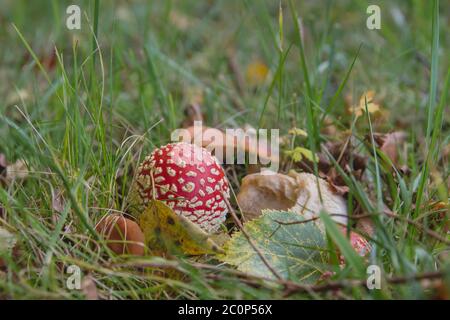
290	287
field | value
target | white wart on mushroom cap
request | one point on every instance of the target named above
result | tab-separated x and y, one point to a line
189	180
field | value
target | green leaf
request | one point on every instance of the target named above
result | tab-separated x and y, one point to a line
295	250
350	255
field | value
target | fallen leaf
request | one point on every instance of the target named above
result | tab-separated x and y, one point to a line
439	216
296	192
89	288
122	235
192	113
298	153
17	96
329	128
258	192
340	190
295	251
17	171
165	231
348	159
315	195
58	201
390	143
298	132
47	58
372	107
405	170
256	73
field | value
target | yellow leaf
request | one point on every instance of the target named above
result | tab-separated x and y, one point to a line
372	107
256	73
298	132
308	154
298	153
165	231
369	95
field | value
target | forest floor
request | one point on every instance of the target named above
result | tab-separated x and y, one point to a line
364	110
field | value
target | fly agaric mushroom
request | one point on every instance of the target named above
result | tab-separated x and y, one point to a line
188	179
358	243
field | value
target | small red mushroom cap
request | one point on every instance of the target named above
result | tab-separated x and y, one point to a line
189	180
358	243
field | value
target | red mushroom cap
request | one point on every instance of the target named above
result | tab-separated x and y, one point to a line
359	244
189	180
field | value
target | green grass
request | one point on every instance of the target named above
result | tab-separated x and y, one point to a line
118	87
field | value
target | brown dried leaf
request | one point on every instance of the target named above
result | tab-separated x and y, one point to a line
439	216
17	170
258	192
315	194
352	162
89	288
337	189
389	143
58	201
192	113
297	192
123	236
329	128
